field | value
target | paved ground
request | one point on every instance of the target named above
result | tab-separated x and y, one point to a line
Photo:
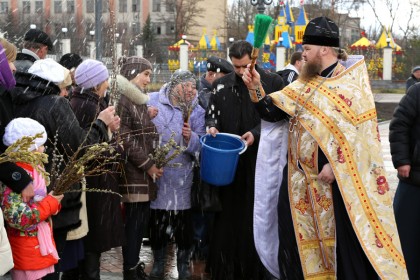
111	268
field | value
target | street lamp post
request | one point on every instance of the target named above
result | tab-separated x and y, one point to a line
231	40
92	48
65	42
261	4
32	26
183	54
98	29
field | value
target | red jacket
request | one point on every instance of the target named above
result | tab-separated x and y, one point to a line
22	219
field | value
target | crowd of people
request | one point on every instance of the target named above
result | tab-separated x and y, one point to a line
310	197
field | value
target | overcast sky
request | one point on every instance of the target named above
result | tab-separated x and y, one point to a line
368	18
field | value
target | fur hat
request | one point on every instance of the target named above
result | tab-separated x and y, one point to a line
90	73
322	31
48	69
71	60
21	127
217	64
38	36
416	68
134	65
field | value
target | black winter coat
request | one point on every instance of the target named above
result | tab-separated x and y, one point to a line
204	92
404	134
103	209
23	62
231	110
411	81
39	99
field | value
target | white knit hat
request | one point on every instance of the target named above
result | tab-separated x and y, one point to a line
20	127
48	69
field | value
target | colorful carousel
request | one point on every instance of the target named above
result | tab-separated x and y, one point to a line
373	53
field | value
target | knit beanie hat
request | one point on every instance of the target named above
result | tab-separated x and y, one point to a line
11	50
134	65
20	127
71	60
48	69
416	68
7	80
90	73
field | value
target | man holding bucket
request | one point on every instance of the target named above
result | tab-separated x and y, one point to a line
335	212
232	252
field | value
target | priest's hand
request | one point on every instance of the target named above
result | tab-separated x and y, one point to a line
326	175
249	138
404	170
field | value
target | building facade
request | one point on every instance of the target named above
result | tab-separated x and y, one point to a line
78	16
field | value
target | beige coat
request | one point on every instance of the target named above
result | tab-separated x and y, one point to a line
6	259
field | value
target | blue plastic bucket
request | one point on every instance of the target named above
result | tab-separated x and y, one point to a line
219	158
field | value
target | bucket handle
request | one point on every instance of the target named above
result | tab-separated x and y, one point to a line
239	137
244	149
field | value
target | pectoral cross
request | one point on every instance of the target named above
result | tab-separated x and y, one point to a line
293	123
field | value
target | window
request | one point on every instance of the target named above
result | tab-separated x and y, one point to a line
170	28
4	7
123	6
26	7
170	5
136	28
158	29
70	6
156	6
136	6
39	6
58	7
90	6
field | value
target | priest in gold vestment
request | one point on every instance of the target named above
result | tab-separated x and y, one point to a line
336	219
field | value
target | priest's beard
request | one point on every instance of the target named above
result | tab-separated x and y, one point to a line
311	69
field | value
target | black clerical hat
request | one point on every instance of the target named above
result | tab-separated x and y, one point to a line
321	31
